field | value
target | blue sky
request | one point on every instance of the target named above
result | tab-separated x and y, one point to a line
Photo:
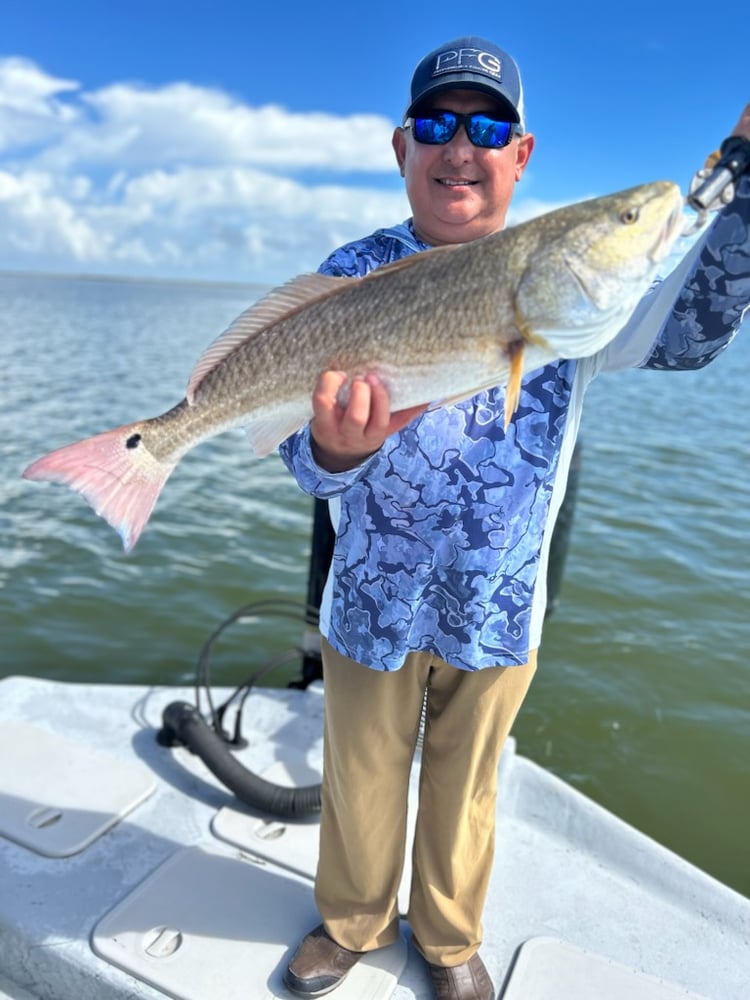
243	142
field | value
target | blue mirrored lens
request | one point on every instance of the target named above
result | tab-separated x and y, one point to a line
436	130
482	129
485	131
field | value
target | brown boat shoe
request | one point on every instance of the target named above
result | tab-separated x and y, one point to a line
469	981
318	965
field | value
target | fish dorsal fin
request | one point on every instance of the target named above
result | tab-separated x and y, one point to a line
279	303
413	260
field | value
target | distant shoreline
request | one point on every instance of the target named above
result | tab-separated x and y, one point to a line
133	279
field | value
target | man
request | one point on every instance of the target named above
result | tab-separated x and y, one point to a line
443	522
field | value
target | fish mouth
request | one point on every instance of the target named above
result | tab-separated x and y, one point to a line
673	229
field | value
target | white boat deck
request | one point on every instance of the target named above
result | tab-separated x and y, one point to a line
128	871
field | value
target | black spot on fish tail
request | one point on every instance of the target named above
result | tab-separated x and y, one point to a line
133	441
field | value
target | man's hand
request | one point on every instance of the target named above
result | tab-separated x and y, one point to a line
344	436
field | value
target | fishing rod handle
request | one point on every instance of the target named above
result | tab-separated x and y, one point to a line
715	188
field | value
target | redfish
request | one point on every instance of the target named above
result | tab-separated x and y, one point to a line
436	327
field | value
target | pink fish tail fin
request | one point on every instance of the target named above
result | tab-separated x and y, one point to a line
115	472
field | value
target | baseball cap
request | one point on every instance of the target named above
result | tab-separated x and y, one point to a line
469	63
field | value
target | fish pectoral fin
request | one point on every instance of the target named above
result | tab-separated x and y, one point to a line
513	388
585	338
515	354
279	303
267	432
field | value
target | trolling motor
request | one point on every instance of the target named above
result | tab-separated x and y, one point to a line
713	186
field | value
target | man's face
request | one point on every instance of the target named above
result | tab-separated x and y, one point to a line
459	192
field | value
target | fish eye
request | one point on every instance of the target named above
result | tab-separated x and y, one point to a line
629	216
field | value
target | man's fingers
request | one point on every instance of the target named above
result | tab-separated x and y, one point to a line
358	411
345	434
382	422
326	411
326	391
380	405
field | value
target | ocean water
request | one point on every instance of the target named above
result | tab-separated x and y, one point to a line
642	700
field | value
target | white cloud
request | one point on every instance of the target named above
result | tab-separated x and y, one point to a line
181	122
29	109
224	223
27	88
36	220
181	181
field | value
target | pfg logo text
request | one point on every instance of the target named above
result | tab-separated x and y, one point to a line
457	60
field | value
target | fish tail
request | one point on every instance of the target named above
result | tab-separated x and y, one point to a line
115	472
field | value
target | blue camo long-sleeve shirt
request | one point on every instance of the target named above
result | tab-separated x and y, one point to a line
442	536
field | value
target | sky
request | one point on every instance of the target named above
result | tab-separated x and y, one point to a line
236	141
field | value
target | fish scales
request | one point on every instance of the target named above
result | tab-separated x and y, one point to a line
435	326
381	326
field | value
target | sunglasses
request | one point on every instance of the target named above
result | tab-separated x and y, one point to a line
482	129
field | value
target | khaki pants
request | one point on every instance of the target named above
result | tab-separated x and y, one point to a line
371	727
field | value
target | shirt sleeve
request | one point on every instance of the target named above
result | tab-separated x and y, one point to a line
685	320
297	455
